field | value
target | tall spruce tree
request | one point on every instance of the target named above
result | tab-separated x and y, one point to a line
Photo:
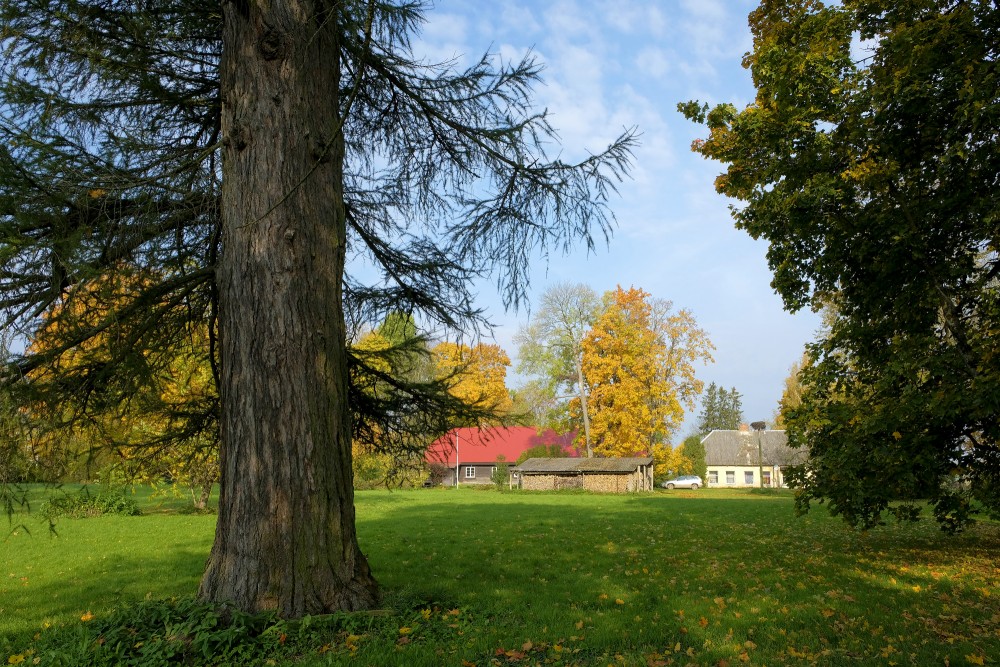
721	409
239	158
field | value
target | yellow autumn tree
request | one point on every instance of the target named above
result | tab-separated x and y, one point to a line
476	375
621	364
686	346
639	362
670	461
372	464
157	423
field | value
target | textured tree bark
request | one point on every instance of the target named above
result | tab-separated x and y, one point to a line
285	538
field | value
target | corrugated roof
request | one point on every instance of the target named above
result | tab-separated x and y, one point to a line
739	448
540	465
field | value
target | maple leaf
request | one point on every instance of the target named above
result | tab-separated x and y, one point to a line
975	659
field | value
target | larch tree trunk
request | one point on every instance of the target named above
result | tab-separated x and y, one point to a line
286	537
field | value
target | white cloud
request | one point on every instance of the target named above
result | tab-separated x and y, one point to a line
520	20
445	39
653	61
630	16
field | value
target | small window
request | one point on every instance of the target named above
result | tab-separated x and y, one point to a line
470	472
494	471
748	477
767	478
713	477
730	477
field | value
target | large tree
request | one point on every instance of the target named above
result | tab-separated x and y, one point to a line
246	156
476	375
869	161
551	346
721	409
638	362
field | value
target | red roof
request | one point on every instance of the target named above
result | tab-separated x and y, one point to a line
477	445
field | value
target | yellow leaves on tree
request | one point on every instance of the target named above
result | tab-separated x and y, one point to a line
668	461
639	363
156	421
475	375
621	364
372	464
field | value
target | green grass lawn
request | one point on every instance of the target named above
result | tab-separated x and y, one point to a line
486	578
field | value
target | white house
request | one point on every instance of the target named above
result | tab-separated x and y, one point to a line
746	458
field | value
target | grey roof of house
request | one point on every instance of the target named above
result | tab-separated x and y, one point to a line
570	465
739	448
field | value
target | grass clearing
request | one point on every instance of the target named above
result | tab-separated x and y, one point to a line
710	577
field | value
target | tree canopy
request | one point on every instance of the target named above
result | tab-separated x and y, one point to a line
551	347
721	409
476	375
639	365
285	174
868	160
620	369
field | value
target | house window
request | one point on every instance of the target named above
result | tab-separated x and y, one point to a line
494	471
767	477
713	477
748	477
730	477
470	472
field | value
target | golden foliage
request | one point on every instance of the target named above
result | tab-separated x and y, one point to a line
475	375
669	461
147	431
639	364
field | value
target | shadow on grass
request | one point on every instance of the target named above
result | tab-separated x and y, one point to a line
695	579
93	565
712	578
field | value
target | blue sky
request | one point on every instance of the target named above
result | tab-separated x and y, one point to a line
611	65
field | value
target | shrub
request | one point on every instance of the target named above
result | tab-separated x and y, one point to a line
501	476
83	505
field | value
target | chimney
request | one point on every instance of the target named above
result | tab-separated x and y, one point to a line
744	428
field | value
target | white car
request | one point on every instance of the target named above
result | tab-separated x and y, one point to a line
682	482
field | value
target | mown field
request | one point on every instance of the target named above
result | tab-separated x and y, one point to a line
477	577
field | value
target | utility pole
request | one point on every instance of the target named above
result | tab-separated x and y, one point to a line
759	427
456	458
